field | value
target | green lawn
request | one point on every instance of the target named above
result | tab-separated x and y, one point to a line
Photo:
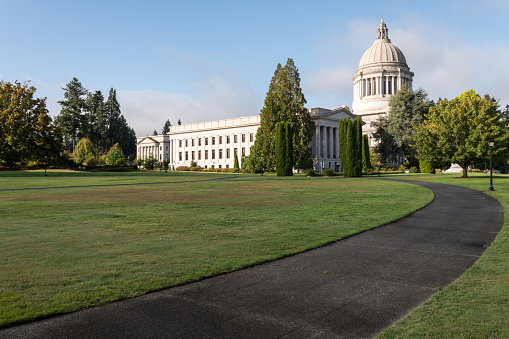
66	249
477	304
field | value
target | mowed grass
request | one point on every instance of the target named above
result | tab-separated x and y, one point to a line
13	180
67	249
477	304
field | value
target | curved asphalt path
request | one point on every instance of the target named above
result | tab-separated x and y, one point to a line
353	288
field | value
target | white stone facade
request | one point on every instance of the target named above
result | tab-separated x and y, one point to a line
214	144
157	146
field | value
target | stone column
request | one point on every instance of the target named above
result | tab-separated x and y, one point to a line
318	143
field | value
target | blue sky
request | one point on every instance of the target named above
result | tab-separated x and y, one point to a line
209	60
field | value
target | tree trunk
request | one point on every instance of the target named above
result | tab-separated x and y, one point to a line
465	172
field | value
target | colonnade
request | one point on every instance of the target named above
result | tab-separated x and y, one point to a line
327	143
387	84
145	152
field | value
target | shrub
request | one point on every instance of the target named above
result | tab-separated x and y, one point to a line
402	168
414	169
182	168
310	172
149	163
426	167
196	168
328	172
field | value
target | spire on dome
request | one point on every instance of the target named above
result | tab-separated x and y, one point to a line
382	31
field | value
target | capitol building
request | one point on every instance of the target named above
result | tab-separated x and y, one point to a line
382	71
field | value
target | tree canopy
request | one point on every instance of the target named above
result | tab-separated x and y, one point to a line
407	108
166	127
27	132
88	115
458	131
284	102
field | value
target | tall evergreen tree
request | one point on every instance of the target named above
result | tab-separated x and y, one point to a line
155	133
357	148
284	102
280	148
97	121
289	150
166	127
71	118
235	161
366	160
179	123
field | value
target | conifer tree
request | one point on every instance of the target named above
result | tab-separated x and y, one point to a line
236	162
280	149
366	160
166	127
357	142
289	150
71	117
284	102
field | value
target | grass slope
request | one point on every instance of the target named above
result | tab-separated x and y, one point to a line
66	249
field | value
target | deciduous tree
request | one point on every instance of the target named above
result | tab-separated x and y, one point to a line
27	132
458	131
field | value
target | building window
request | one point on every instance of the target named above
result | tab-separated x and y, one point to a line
235	152
213	154
205	166
243	151
227	153
213	140
220	166
166	147
192	142
199	155
243	138
220	140
160	148
206	141
186	142
227	139
192	155
227	166
235	139
251	137
180	156
220	154
206	155
199	141
180	143
187	156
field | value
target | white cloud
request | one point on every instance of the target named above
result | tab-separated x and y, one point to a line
214	99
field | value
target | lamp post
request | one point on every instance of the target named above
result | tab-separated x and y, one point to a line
491	143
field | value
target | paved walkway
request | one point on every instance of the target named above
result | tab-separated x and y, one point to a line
353	288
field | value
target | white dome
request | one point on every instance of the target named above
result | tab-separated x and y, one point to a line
382	51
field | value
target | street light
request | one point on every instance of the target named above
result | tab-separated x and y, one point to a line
491	143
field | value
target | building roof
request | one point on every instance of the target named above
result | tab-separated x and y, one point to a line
382	50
